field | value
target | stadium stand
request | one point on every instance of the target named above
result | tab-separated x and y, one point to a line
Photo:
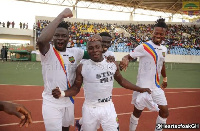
180	40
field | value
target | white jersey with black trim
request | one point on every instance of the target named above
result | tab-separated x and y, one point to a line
147	66
54	76
98	78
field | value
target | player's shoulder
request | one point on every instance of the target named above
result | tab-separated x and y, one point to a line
84	61
77	52
109	51
163	47
148	42
151	44
74	49
140	46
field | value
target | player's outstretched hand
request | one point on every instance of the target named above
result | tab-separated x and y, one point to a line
110	58
56	92
164	85
145	90
20	111
66	13
124	64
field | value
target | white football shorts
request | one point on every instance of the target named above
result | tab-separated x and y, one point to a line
93	116
57	117
157	95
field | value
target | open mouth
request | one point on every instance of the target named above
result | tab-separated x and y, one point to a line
158	40
96	55
60	45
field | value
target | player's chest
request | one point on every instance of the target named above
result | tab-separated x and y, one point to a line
99	74
154	55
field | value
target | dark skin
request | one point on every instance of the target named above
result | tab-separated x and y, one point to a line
157	38
95	52
59	35
106	43
18	110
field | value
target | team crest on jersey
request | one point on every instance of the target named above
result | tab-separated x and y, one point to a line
163	53
71	59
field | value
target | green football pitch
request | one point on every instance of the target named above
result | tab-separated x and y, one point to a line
180	75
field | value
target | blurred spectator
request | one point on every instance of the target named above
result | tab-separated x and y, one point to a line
8	24
3	24
4	51
20	25
24	25
13	24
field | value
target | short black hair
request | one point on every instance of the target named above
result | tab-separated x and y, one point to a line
105	34
63	24
161	23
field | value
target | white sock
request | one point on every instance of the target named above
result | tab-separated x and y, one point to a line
159	121
133	123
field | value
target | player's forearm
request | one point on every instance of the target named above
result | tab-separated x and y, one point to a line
73	91
128	85
163	71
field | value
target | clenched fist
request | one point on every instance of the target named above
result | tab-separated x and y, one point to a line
56	92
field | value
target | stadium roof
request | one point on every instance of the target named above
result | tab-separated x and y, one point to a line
172	6
167	6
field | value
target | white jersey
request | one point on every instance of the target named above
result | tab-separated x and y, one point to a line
108	53
147	75
54	76
98	78
164	50
105	55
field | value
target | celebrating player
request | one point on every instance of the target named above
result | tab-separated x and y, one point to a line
151	66
109	55
58	69
98	76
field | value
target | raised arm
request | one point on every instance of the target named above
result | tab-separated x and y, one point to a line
126	84
74	90
163	73
48	31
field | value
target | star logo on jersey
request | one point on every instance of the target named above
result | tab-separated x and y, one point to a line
71	59
163	53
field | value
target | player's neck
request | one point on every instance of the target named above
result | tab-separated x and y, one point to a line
99	60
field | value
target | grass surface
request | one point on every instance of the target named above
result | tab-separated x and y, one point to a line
29	73
21	73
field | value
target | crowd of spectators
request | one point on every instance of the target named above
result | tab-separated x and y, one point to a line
177	38
10	24
79	32
177	35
